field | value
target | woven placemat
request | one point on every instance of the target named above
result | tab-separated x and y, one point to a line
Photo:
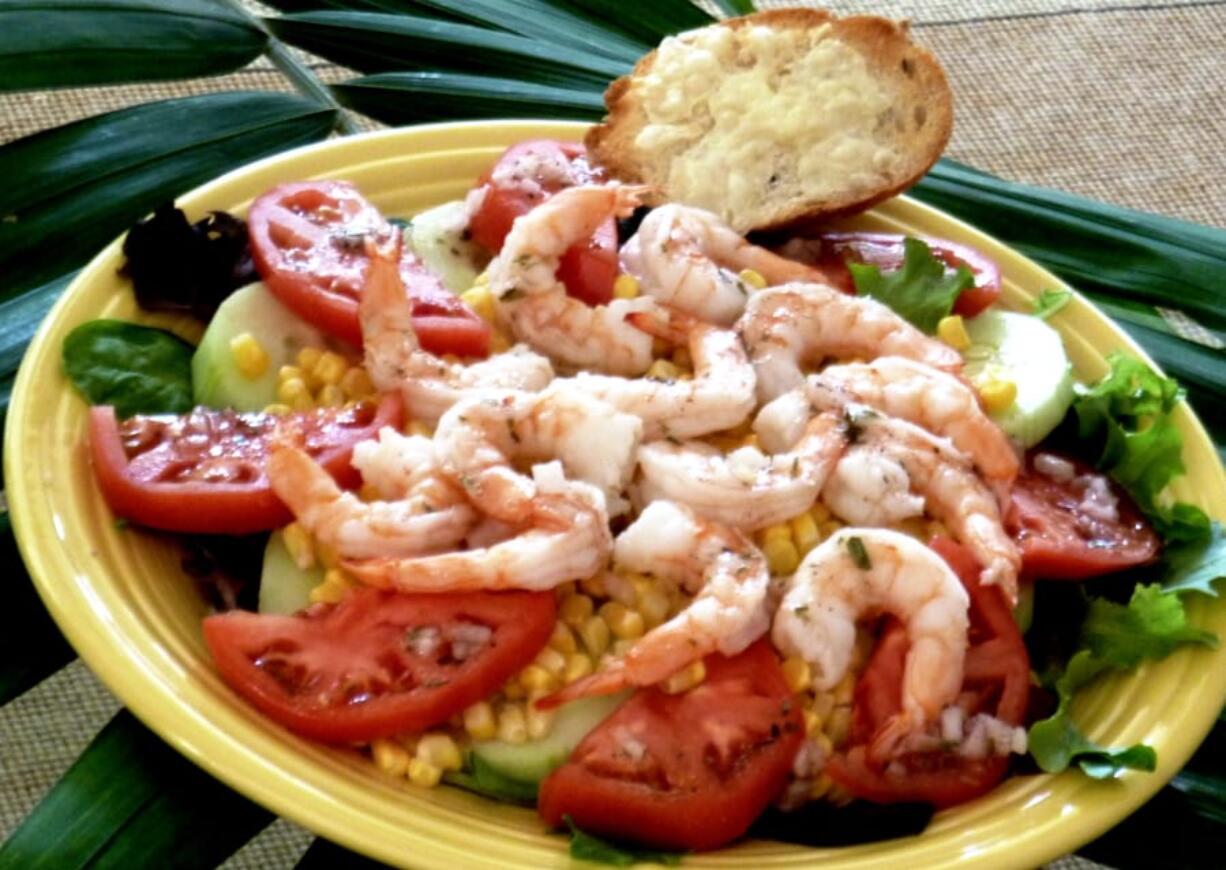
1121	101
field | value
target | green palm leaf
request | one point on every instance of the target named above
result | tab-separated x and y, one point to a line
72	189
132	801
105	41
540	19
416	97
373	42
646	22
735	7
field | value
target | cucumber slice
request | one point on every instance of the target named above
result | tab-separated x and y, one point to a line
1023	349
440	238
533	761
216	380
284	587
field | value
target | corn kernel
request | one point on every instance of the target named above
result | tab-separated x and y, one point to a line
829	527
997	395
499	341
813	722
480	300
625	286
479	721
277	409
575	610
423	773
753	278
781	556
823	743
330	368
301	548
936	529
663	370
594	586
823	704
838	724
331	590
952	331
845	689
804	532
578	666
536	679
626	624
390	757
482	279
514	690
511	725
330	396
685	679
286	373
622	645
538	722
440	750
682	359
820	787
820	513
797	674
356	384
250	358
327	555
294	393
562	639
594	632
417	427
777	532
551	660
307	358
653	603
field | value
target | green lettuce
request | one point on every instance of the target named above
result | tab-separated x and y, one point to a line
923	290
1049	302
585	847
1113	637
1128	413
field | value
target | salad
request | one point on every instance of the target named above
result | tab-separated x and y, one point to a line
675	536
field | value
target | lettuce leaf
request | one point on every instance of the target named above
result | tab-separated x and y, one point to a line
923	290
1113	637
585	847
1049	302
1127	413
1195	565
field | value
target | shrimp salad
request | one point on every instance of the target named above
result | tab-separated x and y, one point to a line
616	512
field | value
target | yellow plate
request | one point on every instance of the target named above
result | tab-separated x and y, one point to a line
124	603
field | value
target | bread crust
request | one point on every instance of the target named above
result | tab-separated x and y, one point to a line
913	74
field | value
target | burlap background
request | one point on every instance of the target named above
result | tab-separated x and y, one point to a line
1122	100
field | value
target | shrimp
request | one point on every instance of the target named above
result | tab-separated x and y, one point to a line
787	327
933	399
937	471
689	258
429	514
745	489
719	565
863	572
566	538
534	303
478	439
719	396
396	361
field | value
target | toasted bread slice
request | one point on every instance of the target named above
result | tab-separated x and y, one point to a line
779	118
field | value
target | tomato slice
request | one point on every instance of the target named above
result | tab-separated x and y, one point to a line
885	251
526	175
379	663
1060	540
308	244
204	471
688	771
997	670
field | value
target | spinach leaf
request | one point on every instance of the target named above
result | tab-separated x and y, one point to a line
585	847
923	290
138	369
